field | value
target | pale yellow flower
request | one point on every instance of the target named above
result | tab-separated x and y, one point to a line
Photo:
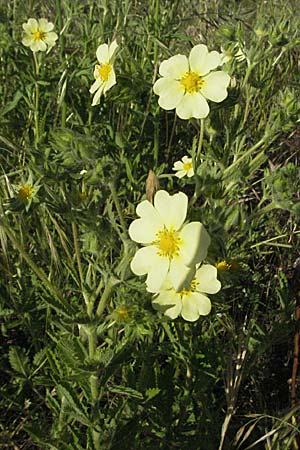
184	167
38	35
104	73
187	83
171	247
190	303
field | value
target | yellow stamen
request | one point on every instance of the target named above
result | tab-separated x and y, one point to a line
121	314
187	166
25	192
223	266
38	35
168	243
192	82
104	71
192	288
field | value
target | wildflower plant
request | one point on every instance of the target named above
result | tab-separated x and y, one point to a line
114	323
172	247
187	83
38	35
104	74
184	167
191	302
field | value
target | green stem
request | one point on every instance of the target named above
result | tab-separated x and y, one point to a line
105	296
94	384
77	252
39	272
228	170
118	207
156	144
196	158
62	43
200	143
36	101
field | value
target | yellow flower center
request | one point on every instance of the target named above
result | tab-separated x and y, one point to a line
223	266
168	243
25	192
104	71
122	313
187	166
192	82
38	35
192	288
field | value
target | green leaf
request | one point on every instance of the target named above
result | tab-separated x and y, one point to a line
11	105
151	393
19	361
127	391
72	399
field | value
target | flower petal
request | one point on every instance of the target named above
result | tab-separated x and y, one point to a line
207	281
31	26
110	82
38	46
180	174
146	260
144	230
174	67
27	40
172	209
202	61
102	53
157	272
95	86
195	242
214	86
179	274
168	302
143	259
192	105
50	38
178	165
97	96
45	26
170	92
194	305
112	48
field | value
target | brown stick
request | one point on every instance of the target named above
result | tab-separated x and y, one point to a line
296	359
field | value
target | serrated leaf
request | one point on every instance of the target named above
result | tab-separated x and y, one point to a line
19	361
52	403
55	365
71	397
123	390
151	393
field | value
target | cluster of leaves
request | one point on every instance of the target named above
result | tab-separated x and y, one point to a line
78	375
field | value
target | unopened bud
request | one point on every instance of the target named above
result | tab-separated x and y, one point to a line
152	186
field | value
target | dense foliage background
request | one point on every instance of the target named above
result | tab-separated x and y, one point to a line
86	362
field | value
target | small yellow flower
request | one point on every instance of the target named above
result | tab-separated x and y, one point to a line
26	192
121	314
104	73
38	35
184	167
223	266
